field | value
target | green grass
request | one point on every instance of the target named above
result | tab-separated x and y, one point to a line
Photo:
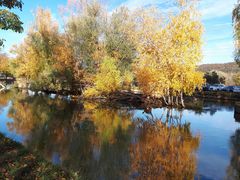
16	162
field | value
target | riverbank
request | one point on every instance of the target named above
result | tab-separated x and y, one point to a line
137	99
218	95
18	163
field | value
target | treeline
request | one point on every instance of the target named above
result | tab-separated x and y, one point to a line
227	73
97	53
231	67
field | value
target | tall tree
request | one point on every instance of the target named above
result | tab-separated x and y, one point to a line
85	28
4	65
9	20
45	58
119	38
168	53
236	24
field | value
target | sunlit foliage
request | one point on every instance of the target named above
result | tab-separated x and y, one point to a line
103	52
169	52
108	79
44	58
4	64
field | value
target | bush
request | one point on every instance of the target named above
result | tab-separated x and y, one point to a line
107	80
90	92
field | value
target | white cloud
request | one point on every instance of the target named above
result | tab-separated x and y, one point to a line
209	8
216	8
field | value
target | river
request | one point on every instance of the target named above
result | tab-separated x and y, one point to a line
120	142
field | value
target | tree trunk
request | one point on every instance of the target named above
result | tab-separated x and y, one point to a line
177	100
182	101
165	101
169	100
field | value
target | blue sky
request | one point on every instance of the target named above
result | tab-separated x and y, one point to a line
216	16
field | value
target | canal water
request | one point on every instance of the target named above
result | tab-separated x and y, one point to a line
121	142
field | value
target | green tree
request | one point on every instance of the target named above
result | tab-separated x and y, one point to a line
215	77
9	20
119	41
84	28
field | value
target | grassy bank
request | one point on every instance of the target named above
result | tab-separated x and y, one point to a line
18	163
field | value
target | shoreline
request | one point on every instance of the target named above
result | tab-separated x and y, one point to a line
16	162
136	99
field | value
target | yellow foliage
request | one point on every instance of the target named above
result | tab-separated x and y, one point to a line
169	52
90	92
4	64
127	79
236	79
107	80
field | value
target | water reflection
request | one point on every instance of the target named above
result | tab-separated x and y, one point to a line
210	107
233	171
165	149
103	142
88	139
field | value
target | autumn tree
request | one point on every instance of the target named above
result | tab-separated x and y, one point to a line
169	52
45	58
4	64
94	34
9	20
105	53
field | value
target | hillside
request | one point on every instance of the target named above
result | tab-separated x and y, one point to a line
227	67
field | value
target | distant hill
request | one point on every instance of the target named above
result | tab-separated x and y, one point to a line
226	67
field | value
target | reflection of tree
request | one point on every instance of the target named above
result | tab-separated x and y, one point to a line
107	152
164	151
32	112
103	142
5	98
109	121
93	140
233	171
